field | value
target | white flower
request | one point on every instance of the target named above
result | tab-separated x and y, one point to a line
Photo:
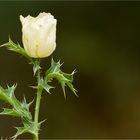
39	34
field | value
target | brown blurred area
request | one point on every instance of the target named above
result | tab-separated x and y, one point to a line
99	39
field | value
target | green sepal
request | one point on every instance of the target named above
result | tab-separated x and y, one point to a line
36	66
64	78
16	48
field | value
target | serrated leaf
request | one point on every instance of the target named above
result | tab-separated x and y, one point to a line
16	48
24	109
20	131
10	112
68	76
17	109
72	88
60	77
64	78
45	85
7	95
55	67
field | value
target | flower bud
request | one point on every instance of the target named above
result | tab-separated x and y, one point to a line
39	34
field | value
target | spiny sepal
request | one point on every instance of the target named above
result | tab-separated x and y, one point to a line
36	66
64	78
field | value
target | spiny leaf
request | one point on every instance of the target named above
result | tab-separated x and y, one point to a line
60	77
24	109
64	78
55	67
18	109
45	85
7	95
16	48
72	88
10	112
20	131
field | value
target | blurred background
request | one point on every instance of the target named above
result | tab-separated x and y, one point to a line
101	40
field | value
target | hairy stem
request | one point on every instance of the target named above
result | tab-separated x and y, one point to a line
37	107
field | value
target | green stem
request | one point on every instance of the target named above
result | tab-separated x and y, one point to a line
37	107
36	124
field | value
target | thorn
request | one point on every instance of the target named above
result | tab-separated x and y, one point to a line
24	100
52	61
42	121
34	87
59	61
10	39
75	92
61	64
63	88
15	85
30	103
74	71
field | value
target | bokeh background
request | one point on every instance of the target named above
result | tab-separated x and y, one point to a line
99	39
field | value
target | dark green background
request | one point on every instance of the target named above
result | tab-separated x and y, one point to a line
99	39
